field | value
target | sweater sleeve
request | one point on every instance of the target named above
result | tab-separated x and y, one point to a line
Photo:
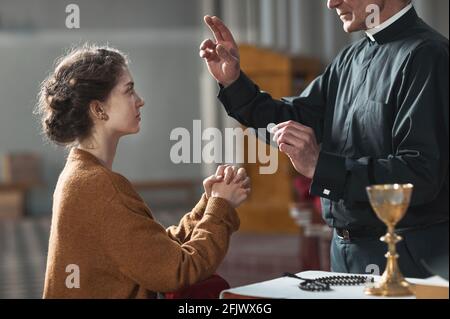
183	231
144	252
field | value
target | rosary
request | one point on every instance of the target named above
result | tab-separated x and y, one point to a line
325	283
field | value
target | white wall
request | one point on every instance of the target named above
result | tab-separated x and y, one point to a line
100	14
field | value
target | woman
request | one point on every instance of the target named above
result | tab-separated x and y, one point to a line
104	242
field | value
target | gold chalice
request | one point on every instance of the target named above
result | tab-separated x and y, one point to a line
390	203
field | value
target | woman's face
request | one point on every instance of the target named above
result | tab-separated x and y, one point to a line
123	107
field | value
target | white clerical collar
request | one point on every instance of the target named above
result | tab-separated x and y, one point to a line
371	32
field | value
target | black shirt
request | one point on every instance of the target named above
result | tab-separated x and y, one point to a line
380	111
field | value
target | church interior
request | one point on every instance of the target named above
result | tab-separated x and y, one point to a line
284	45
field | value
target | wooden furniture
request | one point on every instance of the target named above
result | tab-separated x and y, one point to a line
12	200
21	172
267	210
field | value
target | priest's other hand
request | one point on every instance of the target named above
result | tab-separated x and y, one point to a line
299	143
221	54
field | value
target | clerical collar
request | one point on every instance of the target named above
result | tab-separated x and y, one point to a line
379	32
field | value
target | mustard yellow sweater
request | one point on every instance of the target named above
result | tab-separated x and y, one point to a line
104	234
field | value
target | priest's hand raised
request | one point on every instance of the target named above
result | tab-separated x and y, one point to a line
222	54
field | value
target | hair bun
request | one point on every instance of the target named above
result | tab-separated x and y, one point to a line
60	96
57	130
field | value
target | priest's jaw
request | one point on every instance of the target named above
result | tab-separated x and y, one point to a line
354	13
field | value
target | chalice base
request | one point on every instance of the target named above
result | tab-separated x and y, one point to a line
390	289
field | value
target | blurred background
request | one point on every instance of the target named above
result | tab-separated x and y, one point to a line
284	45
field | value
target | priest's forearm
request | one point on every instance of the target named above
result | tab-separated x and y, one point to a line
244	101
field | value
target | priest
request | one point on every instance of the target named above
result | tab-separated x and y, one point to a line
377	115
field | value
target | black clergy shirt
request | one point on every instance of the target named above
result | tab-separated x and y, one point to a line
380	112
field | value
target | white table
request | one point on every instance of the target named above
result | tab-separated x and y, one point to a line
287	288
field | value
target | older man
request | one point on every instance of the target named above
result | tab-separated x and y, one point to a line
378	114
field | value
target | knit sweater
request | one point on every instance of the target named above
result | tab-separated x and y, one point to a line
105	243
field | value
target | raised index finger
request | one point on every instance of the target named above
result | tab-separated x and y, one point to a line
223	29
214	29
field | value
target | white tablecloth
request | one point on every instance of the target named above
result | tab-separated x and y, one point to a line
287	288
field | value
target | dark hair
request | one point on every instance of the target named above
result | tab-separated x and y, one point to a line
85	74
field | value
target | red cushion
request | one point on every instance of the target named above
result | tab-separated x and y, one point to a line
209	288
